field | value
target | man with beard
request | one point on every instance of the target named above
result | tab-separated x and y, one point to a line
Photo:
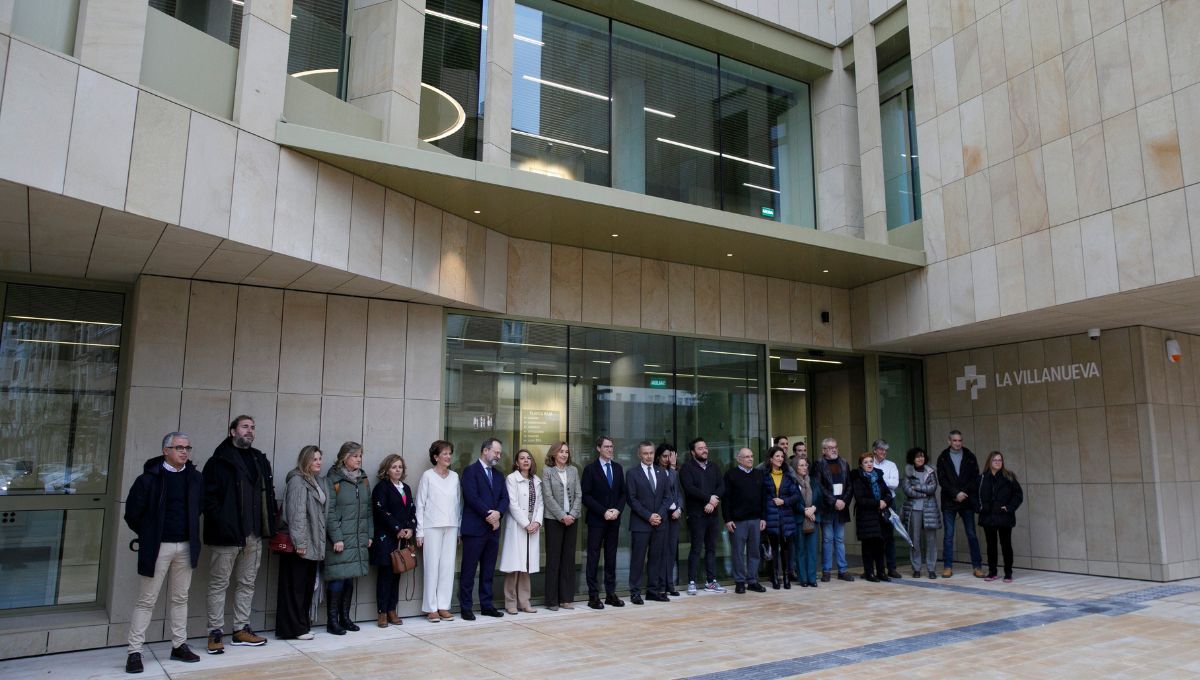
239	512
703	487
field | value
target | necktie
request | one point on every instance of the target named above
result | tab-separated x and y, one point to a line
650	476
608	473
488	471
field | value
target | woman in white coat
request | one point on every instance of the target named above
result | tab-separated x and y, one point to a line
519	556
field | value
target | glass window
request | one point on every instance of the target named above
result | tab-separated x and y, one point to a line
901	169
560	92
720	396
317	45
49	556
451	111
222	19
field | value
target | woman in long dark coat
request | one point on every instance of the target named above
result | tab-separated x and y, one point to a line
395	512
999	497
872	499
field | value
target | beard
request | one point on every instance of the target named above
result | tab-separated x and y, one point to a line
243	442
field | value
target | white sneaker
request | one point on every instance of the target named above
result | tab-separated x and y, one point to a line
305	636
691	588
714	587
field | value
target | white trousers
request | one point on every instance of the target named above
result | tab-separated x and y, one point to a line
441	543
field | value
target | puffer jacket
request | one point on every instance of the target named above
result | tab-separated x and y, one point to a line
781	519
304	504
997	491
921	485
868	518
347	519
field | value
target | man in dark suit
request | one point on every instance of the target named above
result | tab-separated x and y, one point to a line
649	498
603	487
485	498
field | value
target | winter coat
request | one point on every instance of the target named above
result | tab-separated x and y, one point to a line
868	518
392	515
827	510
921	486
521	550
781	519
228	495
998	491
144	511
803	502
347	519
304	513
966	480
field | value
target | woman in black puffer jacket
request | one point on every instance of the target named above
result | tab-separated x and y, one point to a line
781	498
872	498
999	497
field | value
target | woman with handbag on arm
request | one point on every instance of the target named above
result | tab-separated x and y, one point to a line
304	512
395	511
348	525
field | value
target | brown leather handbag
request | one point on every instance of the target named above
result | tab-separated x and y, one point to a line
404	558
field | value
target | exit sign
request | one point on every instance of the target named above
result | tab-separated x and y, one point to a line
658	383
767	212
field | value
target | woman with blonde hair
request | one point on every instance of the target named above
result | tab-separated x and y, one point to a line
520	554
348	526
395	511
304	513
563	504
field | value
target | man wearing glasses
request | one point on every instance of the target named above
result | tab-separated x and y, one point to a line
163	509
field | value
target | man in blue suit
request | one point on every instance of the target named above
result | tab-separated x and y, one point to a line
603	487
485	498
650	496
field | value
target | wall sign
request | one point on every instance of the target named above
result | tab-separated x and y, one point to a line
974	381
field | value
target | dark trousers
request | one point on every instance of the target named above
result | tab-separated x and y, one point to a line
387	590
889	543
1004	534
603	536
703	530
560	562
478	552
646	560
671	554
781	556
872	554
297	576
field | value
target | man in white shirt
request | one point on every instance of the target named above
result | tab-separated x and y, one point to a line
891	477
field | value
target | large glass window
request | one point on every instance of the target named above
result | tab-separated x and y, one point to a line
317	44
222	19
451	108
59	353
901	165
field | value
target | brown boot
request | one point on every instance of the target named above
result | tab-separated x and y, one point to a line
383	620
394	618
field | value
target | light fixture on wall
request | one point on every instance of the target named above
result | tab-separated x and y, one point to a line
1173	352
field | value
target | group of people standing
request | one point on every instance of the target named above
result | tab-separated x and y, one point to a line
340	524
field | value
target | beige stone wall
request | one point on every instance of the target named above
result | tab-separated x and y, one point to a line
1110	485
310	368
829	21
1059	158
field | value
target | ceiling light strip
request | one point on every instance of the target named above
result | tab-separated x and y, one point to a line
46	318
65	342
552	140
755	186
710	152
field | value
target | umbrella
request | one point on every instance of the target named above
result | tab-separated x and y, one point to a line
898	526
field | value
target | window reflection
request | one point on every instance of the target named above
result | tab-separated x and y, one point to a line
901	165
49	557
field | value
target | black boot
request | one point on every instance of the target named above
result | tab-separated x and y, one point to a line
333	606
347	601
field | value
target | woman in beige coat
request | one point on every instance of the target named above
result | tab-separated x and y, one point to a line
520	552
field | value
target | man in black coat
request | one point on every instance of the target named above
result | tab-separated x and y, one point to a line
239	514
958	475
603	487
163	509
703	488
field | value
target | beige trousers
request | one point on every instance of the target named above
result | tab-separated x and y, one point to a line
174	565
516	590
242	565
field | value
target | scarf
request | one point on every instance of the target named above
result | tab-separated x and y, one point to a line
532	495
806	490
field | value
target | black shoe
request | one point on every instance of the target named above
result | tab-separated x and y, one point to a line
870	578
787	584
774	585
756	587
803	585
492	612
657	597
636	599
595	603
812	584
347	600
333	613
614	601
184	653
885	579
740	589
892	573
133	663
845	576
825	577
673	593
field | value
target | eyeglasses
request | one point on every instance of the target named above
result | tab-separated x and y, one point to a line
181	448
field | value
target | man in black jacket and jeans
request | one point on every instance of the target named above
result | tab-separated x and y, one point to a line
239	513
703	488
163	509
958	475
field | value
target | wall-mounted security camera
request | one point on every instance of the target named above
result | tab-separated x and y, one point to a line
1094	333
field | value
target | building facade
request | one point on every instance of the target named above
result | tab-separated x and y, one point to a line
395	221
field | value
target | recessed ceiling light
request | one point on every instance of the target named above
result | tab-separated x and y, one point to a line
824	271
728	254
615	235
476	212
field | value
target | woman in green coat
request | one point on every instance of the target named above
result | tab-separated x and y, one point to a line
348	526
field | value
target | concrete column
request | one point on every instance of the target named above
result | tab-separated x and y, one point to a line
497	78
262	65
109	36
870	138
386	49
835	135
629	134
